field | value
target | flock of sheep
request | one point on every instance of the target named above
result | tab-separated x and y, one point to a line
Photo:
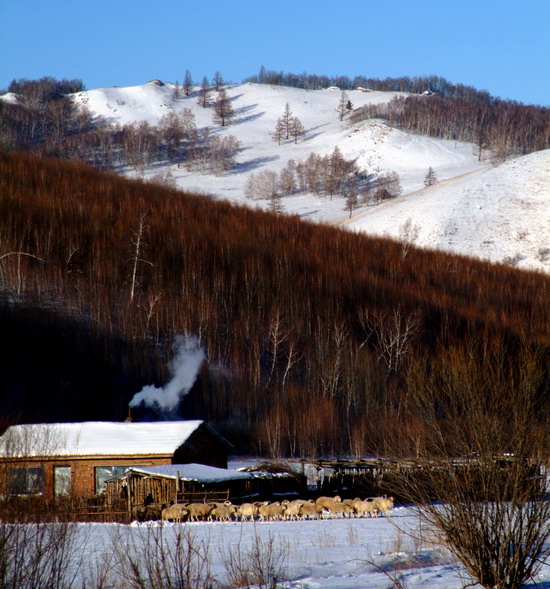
323	507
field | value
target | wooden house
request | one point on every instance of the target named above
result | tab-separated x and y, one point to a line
158	486
75	459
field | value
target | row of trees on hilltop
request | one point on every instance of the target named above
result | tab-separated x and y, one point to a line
449	111
414	85
314	337
499	128
45	121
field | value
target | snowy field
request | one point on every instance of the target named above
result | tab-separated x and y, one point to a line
499	213
317	554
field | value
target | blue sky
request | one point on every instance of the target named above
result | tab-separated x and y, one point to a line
502	46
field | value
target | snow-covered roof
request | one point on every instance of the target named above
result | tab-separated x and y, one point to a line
189	472
93	438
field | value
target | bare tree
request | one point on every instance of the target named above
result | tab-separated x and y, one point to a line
279	133
296	129
222	153
217	81
170	129
137	245
262	185
408	234
204	93
287	178
275	204
223	111
176	92
187	83
343	106
392	333
352	201
140	142
431	177
286	121
19	276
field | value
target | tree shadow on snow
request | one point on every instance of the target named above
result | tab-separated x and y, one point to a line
244	115
253	164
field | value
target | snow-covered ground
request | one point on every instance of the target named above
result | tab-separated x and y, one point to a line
500	213
317	554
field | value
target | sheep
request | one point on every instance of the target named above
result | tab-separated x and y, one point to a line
383	504
248	511
365	508
327	502
199	511
339	508
174	512
292	508
222	512
309	510
270	511
351	501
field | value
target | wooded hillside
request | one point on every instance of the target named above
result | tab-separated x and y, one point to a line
313	336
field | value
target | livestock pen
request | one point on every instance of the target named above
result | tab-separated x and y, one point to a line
376	476
146	491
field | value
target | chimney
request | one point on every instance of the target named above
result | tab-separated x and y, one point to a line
129	418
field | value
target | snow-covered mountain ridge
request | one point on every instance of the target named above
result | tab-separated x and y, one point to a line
500	213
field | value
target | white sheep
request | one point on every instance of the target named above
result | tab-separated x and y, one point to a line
338	509
199	511
292	508
383	504
365	508
327	502
174	512
222	512
248	511
271	511
310	510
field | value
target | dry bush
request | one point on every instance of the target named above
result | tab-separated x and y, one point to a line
480	479
161	556
40	555
263	564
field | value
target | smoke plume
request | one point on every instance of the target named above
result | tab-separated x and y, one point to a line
184	367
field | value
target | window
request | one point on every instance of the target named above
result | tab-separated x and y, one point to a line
102	473
26	481
62	480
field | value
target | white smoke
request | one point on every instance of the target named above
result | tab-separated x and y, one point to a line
184	368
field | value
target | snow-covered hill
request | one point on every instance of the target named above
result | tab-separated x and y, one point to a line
498	213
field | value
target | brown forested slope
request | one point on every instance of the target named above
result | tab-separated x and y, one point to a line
310	333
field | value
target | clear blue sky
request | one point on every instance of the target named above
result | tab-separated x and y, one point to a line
502	46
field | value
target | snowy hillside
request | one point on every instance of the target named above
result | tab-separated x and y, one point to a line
498	213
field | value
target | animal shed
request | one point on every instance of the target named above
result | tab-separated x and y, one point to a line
155	487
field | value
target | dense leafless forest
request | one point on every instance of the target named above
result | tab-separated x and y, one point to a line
315	338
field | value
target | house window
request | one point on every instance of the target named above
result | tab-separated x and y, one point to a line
62	480
26	480
102	473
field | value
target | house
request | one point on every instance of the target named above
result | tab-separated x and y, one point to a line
75	459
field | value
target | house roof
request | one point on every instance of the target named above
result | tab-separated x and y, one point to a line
96	438
189	472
